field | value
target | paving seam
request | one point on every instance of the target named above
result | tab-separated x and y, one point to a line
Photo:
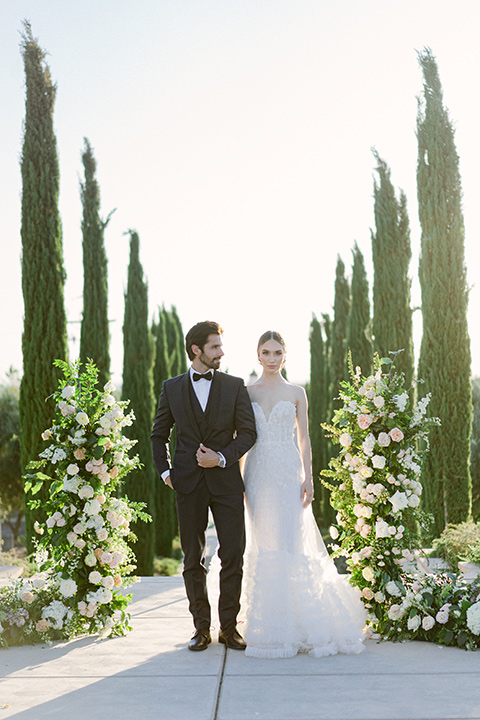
219	686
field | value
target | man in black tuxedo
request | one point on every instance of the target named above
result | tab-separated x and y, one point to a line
215	426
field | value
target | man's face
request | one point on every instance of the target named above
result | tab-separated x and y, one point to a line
211	354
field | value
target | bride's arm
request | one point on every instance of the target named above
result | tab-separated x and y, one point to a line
306	492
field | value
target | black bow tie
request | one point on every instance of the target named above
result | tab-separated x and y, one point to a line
207	376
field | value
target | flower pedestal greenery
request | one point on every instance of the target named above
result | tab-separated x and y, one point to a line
82	551
375	489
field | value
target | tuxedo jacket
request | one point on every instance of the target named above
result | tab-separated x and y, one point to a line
226	426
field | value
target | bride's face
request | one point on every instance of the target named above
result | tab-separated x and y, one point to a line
271	356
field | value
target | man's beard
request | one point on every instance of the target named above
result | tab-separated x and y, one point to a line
212	363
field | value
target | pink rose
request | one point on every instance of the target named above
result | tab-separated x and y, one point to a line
364	421
396	434
42	625
79	454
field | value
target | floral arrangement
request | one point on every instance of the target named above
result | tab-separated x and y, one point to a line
376	493
82	551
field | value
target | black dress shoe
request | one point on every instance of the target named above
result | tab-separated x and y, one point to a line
232	639
200	641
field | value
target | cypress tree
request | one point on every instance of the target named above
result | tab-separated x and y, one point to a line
166	515
181	352
138	388
341	309
445	349
95	334
317	412
44	332
359	338
392	314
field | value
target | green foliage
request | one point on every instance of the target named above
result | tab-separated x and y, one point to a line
338	354
44	331
317	414
475	449
359	340
11	485
391	251
445	349
95	334
138	387
169	361
459	543
165	566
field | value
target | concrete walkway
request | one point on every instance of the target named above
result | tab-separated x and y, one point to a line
151	674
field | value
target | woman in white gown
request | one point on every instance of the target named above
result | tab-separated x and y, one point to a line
293	598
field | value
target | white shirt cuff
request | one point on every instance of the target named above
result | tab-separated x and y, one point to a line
165	474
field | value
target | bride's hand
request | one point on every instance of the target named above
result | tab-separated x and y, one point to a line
306	493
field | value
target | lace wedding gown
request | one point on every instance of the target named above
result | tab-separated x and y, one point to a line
293	598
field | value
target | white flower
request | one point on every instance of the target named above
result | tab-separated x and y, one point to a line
401	401
68	392
399	501
378	461
395	612
70	484
109	387
381	528
82	418
92	507
367	573
68	588
73	469
333	532
108	582
95	578
442	616
414	501
473	618
102	534
90	560
414	623
428	622
383	439
378	401
345	439
86	492
379	597
392	588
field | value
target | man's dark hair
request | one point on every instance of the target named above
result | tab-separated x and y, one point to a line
198	335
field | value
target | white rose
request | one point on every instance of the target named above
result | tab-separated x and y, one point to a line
395	612
442	616
414	623
90	560
399	501
378	461
333	532
73	469
381	528
95	578
345	440
428	622
414	501
392	588
68	588
367	573
109	387
378	401
383	439
68	392
82	418
86	492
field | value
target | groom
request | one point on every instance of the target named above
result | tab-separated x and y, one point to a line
215	426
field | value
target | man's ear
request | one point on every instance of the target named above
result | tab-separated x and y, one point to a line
196	350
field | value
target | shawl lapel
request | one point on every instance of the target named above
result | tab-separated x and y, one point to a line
187	404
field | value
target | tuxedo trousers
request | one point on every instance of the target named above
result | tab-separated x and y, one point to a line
229	518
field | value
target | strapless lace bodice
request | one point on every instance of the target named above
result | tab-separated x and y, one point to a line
279	425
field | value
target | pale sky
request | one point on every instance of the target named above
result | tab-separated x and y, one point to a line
242	129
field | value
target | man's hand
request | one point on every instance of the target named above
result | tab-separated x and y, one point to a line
207	458
168	482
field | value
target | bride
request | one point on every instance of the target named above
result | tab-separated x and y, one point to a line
293	599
